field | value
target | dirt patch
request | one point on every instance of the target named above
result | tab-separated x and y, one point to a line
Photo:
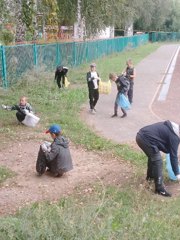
26	187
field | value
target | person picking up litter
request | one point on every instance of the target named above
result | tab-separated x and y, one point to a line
54	156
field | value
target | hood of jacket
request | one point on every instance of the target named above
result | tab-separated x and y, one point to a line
62	141
174	127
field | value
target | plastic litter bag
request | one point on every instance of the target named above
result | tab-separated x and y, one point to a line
169	168
46	146
66	82
123	102
30	120
104	87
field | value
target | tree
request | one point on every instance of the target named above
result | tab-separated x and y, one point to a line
173	21
66	12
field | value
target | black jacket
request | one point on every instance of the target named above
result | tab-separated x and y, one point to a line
22	108
90	80
122	84
129	71
162	137
61	71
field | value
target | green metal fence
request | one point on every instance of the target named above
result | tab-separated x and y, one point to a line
20	59
164	36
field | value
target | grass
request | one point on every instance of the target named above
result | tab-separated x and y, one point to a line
109	213
5	173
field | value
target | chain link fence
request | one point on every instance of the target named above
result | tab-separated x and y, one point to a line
20	59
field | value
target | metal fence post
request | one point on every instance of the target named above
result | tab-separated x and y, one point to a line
4	68
57	54
74	54
35	54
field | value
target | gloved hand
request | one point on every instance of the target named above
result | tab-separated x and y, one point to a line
178	177
44	147
4	106
48	145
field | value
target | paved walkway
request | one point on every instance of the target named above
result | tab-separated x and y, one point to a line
150	74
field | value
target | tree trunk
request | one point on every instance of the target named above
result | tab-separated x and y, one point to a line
20	26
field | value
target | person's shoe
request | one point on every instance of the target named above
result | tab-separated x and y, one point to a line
114	115
92	111
95	110
124	115
163	192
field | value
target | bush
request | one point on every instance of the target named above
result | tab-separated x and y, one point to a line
6	37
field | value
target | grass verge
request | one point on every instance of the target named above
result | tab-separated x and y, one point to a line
104	215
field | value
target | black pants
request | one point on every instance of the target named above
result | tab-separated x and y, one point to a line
155	163
20	116
60	81
130	91
93	97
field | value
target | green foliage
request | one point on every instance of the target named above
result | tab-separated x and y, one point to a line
5	173
49	10
28	15
161	15
67	12
109	213
6	36
172	22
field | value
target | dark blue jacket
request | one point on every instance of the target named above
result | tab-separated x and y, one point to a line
122	84
162	137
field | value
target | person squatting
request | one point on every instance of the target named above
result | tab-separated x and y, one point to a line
55	156
21	108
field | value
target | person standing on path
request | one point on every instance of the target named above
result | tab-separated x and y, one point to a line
93	87
130	74
122	86
165	137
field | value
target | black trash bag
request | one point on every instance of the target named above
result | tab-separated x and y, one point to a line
41	162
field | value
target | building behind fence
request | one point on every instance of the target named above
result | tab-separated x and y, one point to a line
19	59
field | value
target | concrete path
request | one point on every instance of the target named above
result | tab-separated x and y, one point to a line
150	74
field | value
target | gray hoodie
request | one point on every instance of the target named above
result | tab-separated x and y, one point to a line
59	158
